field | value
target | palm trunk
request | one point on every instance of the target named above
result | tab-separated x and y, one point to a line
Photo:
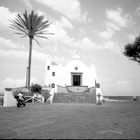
29	63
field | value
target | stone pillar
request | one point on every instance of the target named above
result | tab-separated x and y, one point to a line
99	96
9	99
52	95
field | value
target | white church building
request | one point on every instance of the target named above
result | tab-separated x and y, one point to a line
74	76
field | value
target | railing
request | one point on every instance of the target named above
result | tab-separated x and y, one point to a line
34	98
40	98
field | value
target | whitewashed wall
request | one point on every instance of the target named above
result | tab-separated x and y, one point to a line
63	73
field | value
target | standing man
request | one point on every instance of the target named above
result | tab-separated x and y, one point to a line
99	95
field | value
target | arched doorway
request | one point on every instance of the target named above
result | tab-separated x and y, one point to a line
76	79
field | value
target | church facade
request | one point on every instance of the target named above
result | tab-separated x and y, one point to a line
75	75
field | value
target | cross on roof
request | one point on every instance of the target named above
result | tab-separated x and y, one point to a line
99	95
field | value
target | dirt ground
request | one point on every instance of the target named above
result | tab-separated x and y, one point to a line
112	120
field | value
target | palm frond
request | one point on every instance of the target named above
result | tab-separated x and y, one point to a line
37	42
26	19
42	36
43	33
15	27
38	23
23	22
31	25
21	34
19	27
43	26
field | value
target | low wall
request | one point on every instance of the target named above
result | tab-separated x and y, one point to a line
9	99
74	98
92	90
77	89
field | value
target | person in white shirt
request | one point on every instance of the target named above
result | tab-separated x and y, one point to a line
20	95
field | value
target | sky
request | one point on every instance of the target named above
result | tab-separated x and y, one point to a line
97	29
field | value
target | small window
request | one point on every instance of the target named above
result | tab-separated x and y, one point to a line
53	73
48	68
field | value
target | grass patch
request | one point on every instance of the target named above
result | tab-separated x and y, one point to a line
71	121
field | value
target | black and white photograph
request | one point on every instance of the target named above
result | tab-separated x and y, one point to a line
69	69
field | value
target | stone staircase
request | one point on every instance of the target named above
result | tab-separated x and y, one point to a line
78	97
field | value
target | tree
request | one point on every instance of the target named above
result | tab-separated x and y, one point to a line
30	25
36	88
132	50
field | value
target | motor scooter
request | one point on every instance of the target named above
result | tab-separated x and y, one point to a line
20	102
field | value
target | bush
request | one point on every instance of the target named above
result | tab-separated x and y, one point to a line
36	88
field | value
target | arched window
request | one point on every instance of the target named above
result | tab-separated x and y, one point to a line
53	73
48	67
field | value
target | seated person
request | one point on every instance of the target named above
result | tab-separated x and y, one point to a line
20	95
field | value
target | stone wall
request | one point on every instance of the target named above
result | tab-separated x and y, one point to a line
74	98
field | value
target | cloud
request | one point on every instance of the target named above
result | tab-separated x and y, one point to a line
66	23
112	46
116	21
109	44
69	8
13	83
112	26
9	49
60	34
85	44
107	34
59	28
5	15
13	54
22	54
27	3
131	37
4	42
39	55
117	18
137	12
86	18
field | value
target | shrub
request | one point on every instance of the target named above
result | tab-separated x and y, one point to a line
36	88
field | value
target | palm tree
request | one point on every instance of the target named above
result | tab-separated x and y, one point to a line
32	26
